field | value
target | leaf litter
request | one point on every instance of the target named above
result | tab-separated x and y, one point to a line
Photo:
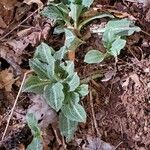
128	122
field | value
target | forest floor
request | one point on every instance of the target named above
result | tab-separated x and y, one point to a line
118	104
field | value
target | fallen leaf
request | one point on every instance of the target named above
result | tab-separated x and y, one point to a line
96	144
144	2
108	75
135	78
148	16
8	4
24	32
2	23
6	80
38	2
42	111
18	46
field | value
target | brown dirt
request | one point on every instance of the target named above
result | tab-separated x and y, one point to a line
121	102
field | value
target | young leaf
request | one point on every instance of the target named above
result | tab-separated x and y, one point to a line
59	29
39	68
83	90
123	27
59	55
73	82
44	53
74	112
33	125
69	67
94	56
87	3
36	144
117	45
75	12
62	7
71	97
54	95
108	38
72	41
53	12
67	127
35	85
60	73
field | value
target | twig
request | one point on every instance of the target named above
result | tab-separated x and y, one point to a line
145	32
63	142
12	110
118	145
95	76
93	115
20	24
57	138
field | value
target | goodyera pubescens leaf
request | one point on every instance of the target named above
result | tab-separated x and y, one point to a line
59	84
113	38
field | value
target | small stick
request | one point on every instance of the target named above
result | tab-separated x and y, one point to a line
95	76
118	145
63	142
57	138
12	110
93	115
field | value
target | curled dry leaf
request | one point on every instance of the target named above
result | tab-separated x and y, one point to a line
6	80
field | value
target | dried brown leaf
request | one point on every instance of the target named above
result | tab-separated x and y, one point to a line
8	4
2	23
96	144
6	80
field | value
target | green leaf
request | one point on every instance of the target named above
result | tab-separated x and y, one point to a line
73	82
60	73
54	95
69	67
35	85
62	7
75	12
94	56
72	41
108	38
59	29
83	90
87	3
67	127
59	55
123	27
98	16
36	144
52	12
117	45
39	68
44	53
33	125
74	112
71	97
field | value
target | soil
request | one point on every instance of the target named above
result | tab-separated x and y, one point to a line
118	105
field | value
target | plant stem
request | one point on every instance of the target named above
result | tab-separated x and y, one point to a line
92	77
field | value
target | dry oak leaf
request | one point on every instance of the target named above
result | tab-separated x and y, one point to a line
8	4
6	80
38	2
